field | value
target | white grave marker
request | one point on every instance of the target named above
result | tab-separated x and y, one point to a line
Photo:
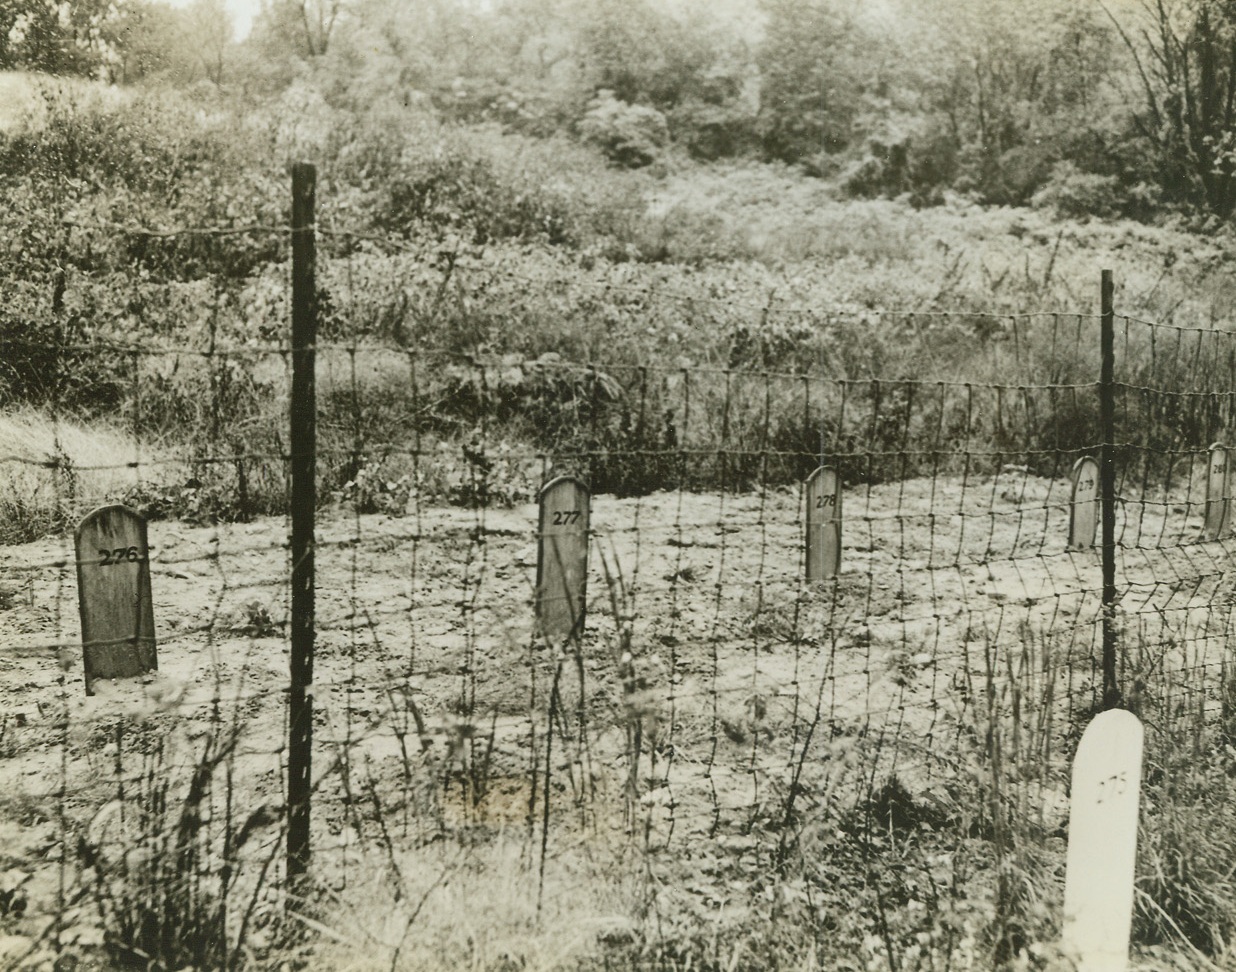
113	595
1218	501
1084	505
562	559
1098	883
823	524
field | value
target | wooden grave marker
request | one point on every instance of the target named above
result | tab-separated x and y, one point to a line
562	559
113	595
1218	499
823	524
1084	504
1098	882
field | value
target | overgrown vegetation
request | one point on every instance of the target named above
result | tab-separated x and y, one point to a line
1005	102
611	241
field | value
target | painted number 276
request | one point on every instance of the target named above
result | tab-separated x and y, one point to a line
121	555
565	517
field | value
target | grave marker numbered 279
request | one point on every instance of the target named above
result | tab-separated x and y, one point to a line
1084	504
562	559
1218	501
113	595
823	524
1098	883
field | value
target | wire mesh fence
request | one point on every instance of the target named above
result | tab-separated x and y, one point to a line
712	703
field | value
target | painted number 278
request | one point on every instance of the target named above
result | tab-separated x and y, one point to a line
121	555
565	517
823	501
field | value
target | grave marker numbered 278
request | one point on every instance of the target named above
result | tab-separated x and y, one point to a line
113	595
823	524
1084	504
562	559
1218	501
1098	883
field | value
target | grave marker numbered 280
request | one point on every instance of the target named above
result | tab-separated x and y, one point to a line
1084	505
1218	500
823	524
562	559
1098	882
113	595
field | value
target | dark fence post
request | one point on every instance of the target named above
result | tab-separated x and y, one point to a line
1107	485
303	454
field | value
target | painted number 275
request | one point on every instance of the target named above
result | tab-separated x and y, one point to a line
121	555
1112	787
565	517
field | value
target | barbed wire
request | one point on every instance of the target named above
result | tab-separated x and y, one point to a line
713	683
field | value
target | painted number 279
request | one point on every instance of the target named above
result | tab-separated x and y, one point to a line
565	517
121	555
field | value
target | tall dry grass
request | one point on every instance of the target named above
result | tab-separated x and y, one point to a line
55	470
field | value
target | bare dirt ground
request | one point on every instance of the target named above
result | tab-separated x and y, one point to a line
431	689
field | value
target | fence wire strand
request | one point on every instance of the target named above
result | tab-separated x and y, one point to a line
715	692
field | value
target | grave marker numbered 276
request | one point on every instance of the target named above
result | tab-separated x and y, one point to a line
1218	501
1084	504
562	559
113	595
823	524
1098	883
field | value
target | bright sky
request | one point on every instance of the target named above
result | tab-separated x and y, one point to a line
242	11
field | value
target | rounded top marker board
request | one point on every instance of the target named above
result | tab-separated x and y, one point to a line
1084	505
562	558
1218	501
823	496
1102	852
113	595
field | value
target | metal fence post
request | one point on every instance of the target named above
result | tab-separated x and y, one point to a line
303	500
1107	484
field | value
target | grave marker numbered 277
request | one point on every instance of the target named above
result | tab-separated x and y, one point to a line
1084	504
113	595
1218	501
562	559
1098	883
823	524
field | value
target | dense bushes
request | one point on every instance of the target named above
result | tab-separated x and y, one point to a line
567	308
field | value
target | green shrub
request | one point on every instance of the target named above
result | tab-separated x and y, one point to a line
631	136
45	361
1074	193
456	191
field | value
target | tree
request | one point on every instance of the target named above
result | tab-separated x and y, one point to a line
1185	57
54	36
304	27
1013	88
209	29
816	65
145	40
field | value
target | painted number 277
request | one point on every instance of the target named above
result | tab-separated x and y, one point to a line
565	517
121	555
